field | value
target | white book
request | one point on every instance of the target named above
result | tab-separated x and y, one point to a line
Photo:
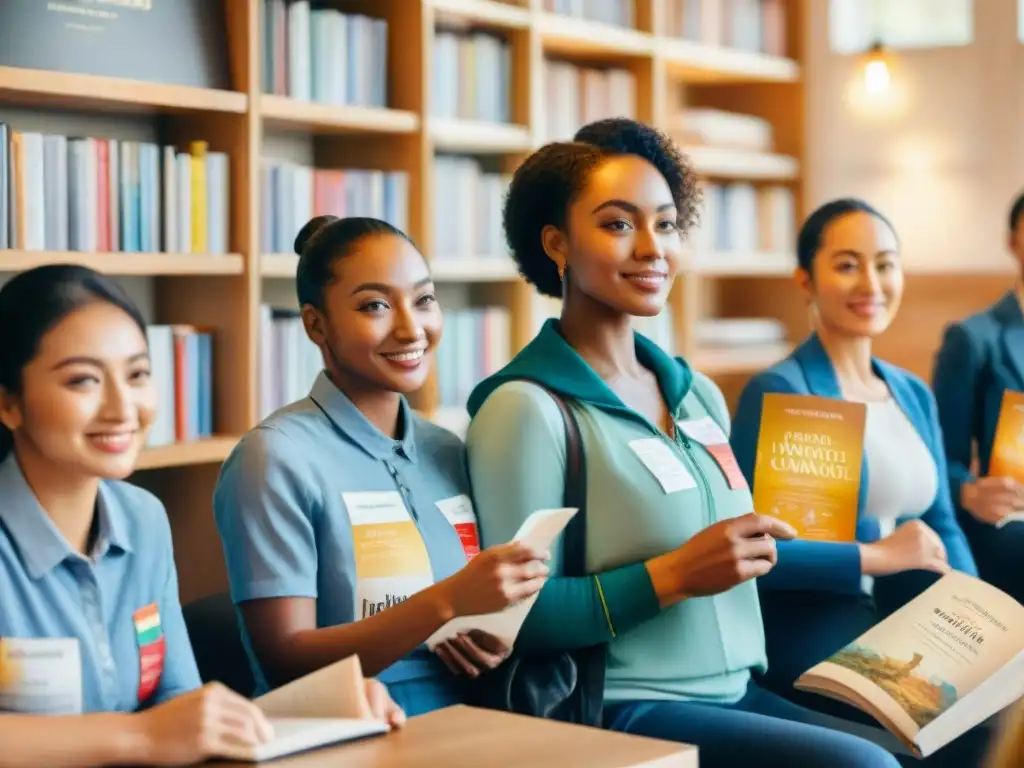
325	707
539	530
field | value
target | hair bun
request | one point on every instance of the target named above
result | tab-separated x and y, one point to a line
311	228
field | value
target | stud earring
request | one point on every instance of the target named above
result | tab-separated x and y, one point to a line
561	273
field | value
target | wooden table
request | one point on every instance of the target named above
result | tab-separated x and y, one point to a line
466	737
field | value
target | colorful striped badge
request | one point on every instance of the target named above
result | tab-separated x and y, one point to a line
147	625
152	650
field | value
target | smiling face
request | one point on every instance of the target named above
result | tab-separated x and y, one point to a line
86	400
621	245
856	283
381	320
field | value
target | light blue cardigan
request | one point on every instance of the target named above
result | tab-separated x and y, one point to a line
833	566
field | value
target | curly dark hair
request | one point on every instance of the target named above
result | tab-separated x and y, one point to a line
546	183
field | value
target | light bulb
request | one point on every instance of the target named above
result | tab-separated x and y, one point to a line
876	72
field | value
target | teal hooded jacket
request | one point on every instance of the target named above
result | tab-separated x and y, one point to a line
698	649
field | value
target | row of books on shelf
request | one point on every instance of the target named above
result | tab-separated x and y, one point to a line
181	369
751	25
745	218
576	95
463	185
288	361
697	126
66	193
320	54
291	194
476	343
618	12
471	76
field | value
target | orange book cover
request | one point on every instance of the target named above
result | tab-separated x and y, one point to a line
1008	446
807	469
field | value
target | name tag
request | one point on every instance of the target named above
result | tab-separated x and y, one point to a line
706	432
390	557
41	676
459	512
149	635
666	467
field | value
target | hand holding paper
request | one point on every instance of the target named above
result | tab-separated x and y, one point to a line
539	531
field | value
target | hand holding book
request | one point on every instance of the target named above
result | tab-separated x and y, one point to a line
718	558
912	546
991	499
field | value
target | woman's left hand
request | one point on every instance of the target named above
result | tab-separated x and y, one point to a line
382	706
473	653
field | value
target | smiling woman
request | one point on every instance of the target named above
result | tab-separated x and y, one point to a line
90	625
337	514
906	535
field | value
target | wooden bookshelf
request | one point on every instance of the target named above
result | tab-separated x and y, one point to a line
224	292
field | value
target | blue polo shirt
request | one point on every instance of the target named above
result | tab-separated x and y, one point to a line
120	604
316	502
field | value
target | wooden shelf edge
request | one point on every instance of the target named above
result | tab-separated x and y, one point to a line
721	361
69	88
479	269
699	62
478	136
152	264
742	264
279	265
212	450
280	110
484	11
572	35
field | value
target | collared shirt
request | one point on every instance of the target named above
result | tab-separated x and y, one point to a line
316	502
120	605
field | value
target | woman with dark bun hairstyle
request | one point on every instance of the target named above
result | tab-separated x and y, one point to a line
672	548
345	517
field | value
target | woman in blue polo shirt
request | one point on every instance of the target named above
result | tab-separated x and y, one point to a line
93	646
822	595
345	517
90	598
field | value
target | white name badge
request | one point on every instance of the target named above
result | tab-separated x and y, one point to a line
458	510
40	676
663	464
391	559
705	431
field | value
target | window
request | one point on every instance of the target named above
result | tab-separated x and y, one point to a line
855	24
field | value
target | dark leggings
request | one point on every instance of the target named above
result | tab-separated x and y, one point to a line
761	729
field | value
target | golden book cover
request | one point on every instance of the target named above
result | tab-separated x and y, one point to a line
807	469
944	662
1008	445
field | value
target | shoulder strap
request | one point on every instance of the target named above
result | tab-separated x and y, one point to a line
575	495
574	541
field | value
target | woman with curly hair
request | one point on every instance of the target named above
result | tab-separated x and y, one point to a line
672	548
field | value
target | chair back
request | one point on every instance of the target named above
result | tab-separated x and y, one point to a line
217	643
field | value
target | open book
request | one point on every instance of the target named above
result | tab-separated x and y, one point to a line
539	530
943	663
328	706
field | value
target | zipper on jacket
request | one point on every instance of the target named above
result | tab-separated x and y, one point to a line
684	441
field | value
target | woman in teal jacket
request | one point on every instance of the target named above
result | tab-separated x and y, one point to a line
981	358
822	595
671	545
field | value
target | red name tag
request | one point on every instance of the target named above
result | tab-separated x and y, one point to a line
459	512
149	635
706	432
